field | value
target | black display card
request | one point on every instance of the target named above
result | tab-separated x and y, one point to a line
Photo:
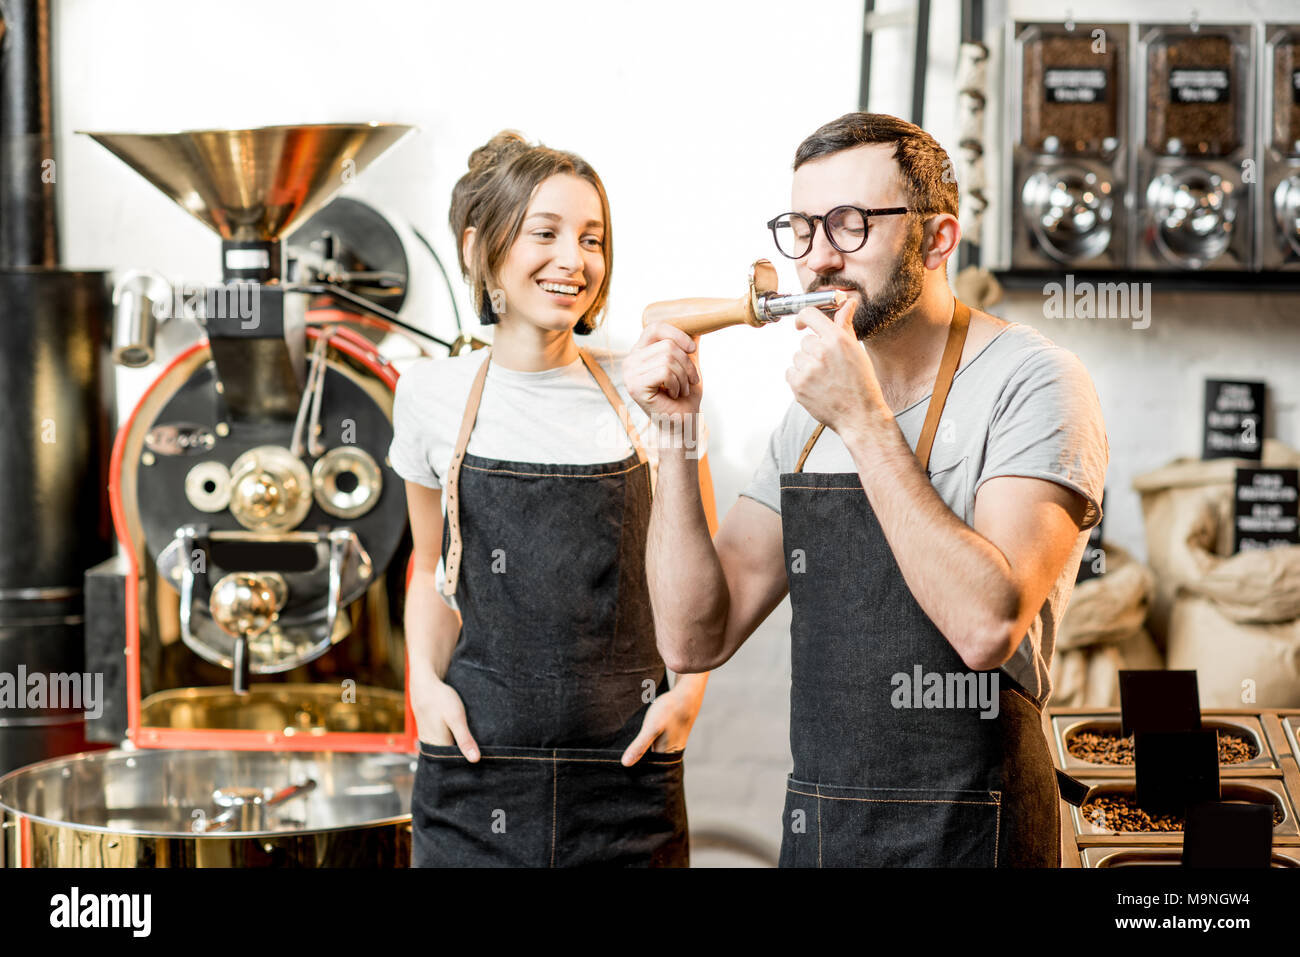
1158	700
1228	835
1175	769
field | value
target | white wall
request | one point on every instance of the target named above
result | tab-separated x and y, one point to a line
691	112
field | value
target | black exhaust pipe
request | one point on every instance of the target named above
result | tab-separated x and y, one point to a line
58	383
29	222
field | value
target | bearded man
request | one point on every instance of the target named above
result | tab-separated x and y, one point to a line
925	503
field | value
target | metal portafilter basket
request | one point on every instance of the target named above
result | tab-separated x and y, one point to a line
760	305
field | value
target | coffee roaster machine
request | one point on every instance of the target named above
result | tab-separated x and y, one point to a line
247	630
248	487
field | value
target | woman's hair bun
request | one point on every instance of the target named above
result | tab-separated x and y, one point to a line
484	162
496	152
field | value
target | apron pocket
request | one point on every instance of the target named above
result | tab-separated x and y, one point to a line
495	813
836	826
616	816
547	807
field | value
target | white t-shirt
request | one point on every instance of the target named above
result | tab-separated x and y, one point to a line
555	416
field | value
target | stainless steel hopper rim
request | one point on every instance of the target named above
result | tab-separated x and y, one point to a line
367	124
9	782
254	184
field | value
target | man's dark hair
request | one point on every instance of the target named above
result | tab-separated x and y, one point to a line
926	169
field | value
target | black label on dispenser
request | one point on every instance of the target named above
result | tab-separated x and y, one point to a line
1265	509
1074	84
1208	84
1234	419
1295	87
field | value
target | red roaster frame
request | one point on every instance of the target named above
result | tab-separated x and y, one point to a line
362	350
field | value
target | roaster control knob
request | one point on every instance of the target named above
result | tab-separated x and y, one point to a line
270	489
245	604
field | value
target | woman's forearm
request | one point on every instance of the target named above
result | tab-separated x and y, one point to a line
432	628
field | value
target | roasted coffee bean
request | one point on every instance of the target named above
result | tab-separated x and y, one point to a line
1109	748
1234	749
1116	813
1077	127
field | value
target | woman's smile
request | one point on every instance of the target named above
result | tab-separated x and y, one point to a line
562	291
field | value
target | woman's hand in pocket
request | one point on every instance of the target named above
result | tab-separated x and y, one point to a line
669	719
440	717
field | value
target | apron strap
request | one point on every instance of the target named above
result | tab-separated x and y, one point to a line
455	544
943	380
611	394
952	350
808	446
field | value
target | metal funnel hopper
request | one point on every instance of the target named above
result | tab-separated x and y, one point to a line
253	185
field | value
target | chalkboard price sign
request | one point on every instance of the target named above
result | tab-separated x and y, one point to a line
1265	514
1234	419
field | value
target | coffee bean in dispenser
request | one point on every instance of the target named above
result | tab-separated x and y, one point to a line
1280	248
1197	156
1194	94
1286	94
1069	88
1070	93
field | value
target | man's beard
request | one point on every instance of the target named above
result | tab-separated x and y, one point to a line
877	313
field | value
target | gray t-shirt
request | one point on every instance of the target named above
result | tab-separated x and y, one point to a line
1021	406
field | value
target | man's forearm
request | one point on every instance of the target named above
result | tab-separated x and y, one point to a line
688	591
958	577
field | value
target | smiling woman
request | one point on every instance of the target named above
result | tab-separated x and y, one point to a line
512	191
549	735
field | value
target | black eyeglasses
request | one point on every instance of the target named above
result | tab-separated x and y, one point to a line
846	228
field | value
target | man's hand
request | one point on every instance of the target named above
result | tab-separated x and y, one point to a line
668	722
832	376
662	373
440	717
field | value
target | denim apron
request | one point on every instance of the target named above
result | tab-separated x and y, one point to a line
556	664
880	785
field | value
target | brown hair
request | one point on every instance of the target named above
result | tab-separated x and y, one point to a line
926	170
493	196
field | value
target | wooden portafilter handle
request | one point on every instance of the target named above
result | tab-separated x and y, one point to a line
698	316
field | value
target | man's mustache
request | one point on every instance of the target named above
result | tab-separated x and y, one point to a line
838	282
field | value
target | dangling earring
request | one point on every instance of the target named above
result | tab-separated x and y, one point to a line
491	306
